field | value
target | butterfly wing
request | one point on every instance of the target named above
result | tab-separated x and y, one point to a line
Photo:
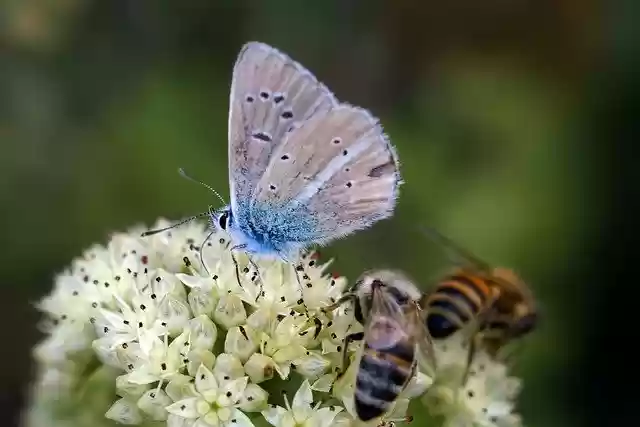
337	170
270	95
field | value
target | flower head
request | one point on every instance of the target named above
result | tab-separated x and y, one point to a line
184	340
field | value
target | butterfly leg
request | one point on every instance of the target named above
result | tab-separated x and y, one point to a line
296	269
257	270
201	249
235	262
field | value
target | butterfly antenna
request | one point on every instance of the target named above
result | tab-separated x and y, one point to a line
443	240
184	221
197	181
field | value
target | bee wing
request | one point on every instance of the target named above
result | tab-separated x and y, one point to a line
459	254
426	353
386	323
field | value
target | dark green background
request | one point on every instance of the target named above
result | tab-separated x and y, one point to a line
504	114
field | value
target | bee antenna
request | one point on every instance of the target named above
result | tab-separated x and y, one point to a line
434	235
197	181
177	224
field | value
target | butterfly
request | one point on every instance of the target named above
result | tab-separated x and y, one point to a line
304	169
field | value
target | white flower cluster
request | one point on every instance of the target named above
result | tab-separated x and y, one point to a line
183	342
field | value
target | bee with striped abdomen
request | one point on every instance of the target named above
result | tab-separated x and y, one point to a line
387	305
495	301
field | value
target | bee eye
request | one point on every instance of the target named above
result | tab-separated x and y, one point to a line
223	221
526	324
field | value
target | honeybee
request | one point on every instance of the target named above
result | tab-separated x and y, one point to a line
395	337
496	302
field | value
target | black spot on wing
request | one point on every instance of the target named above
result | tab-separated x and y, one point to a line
262	136
383	169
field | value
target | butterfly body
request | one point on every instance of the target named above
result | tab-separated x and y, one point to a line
304	169
270	231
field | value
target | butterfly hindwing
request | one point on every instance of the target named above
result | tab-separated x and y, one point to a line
270	95
337	168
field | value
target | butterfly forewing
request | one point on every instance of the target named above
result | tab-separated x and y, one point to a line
270	95
339	166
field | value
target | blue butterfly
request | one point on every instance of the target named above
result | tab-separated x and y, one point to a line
304	169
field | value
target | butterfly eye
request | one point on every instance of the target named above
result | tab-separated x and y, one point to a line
223	221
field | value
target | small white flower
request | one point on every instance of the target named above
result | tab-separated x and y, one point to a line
202	332
227	367
301	412
487	398
214	403
230	311
163	362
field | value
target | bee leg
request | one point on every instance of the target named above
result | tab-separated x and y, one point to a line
356	336
342	300
473	345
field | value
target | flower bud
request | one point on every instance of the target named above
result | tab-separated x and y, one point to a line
124	411
180	387
153	404
230	311
311	365
259	368
199	357
202	301
238	342
203	333
125	388
175	313
254	399
227	367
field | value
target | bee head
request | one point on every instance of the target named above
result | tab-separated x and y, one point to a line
524	324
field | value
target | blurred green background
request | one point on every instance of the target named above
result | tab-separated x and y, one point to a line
493	106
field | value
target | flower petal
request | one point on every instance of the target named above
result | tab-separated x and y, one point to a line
236	388
274	415
227	367
153	403
205	380
124	411
323	417
185	408
174	420
302	401
253	399
238	419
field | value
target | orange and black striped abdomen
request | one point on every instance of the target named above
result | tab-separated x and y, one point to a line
382	375
455	301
